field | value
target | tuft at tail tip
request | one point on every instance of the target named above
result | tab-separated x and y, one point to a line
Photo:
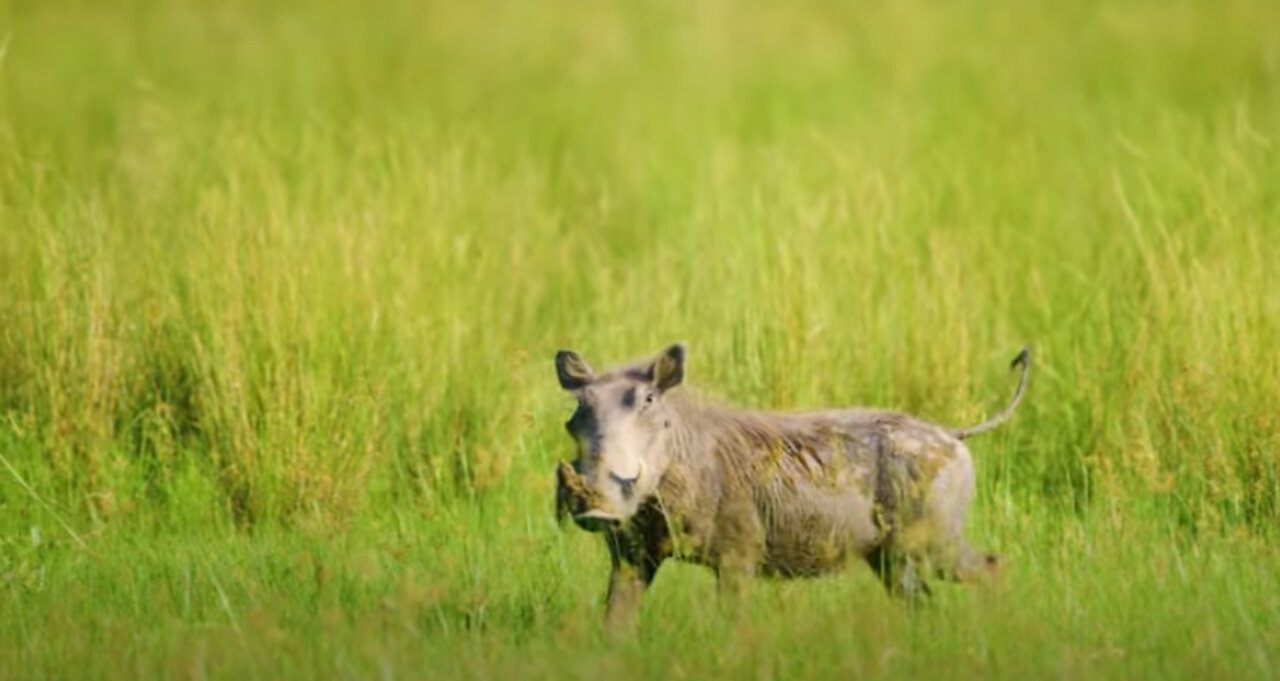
1023	361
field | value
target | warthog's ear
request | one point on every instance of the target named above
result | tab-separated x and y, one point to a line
572	370
668	369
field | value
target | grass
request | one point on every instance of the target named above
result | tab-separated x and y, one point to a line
280	284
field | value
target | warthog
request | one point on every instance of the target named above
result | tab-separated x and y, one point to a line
661	475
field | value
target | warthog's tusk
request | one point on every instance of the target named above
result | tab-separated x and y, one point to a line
596	514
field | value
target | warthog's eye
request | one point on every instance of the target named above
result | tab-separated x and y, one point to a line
648	398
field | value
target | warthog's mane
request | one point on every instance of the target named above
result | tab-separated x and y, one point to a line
742	439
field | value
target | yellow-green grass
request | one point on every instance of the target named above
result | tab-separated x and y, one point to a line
280	284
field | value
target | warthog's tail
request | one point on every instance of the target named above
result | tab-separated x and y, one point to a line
1022	360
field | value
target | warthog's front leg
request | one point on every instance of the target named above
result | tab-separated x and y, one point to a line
738	548
902	574
626	585
733	584
631	575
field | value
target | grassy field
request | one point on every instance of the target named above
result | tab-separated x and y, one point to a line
281	282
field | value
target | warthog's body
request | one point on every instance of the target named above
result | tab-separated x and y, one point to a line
780	494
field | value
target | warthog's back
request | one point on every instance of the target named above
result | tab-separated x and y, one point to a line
823	487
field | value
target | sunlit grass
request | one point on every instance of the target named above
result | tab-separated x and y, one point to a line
280	284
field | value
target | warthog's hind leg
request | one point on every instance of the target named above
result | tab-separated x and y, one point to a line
902	574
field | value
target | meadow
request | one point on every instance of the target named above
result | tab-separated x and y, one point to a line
281	284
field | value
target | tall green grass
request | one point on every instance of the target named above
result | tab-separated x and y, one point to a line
280	283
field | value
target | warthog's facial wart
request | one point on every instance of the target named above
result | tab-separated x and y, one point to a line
576	500
620	429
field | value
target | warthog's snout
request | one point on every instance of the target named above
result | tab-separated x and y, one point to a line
627	485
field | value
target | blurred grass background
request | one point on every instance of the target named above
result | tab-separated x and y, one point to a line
281	282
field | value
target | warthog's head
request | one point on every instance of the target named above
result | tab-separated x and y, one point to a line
621	428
